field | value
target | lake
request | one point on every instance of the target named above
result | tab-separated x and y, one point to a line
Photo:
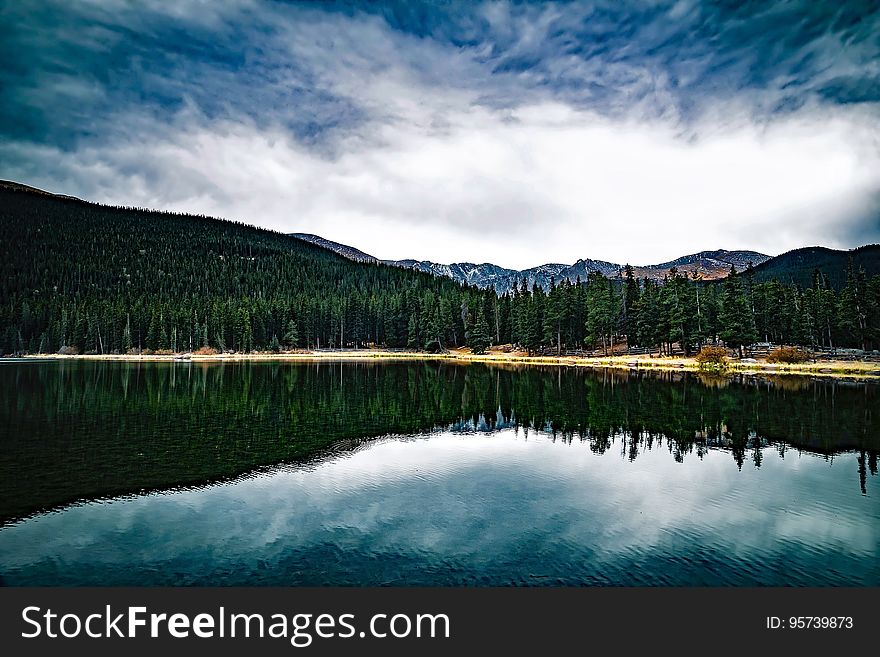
431	473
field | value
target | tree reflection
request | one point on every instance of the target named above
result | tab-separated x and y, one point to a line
80	430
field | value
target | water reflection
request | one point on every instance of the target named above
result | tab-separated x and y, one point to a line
475	509
83	430
431	473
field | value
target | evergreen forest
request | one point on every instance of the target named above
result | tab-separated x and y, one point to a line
83	278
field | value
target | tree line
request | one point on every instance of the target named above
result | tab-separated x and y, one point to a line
688	312
83	278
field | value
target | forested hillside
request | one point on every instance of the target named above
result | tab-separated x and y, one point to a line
798	266
101	279
83	278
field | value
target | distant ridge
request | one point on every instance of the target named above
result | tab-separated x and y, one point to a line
709	265
10	184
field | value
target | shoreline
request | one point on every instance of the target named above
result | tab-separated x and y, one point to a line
858	369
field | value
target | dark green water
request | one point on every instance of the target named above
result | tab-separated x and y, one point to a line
432	474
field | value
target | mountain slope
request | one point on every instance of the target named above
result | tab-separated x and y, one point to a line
81	277
710	265
797	266
20	187
345	251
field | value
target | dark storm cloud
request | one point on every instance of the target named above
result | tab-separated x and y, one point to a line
677	55
107	99
74	68
70	67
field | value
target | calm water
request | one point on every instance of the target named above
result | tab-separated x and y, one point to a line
427	473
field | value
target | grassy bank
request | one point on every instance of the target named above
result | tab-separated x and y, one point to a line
840	368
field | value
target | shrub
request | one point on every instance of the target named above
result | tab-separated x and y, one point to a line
205	351
788	355
712	357
68	351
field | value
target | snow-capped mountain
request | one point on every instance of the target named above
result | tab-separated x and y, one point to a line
342	249
484	275
708	265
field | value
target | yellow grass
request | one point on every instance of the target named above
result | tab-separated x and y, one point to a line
849	369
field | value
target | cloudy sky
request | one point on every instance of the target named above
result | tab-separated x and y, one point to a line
515	133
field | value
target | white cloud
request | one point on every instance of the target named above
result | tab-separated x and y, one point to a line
432	151
542	183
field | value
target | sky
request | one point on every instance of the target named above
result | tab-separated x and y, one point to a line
508	132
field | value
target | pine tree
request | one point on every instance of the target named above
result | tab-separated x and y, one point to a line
872	312
698	331
412	332
735	316
152	340
648	315
478	339
162	340
291	334
819	310
534	320
434	324
631	294
679	310
126	335
554	312
601	310
79	332
853	307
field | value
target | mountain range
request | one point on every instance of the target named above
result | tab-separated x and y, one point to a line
709	265
797	266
